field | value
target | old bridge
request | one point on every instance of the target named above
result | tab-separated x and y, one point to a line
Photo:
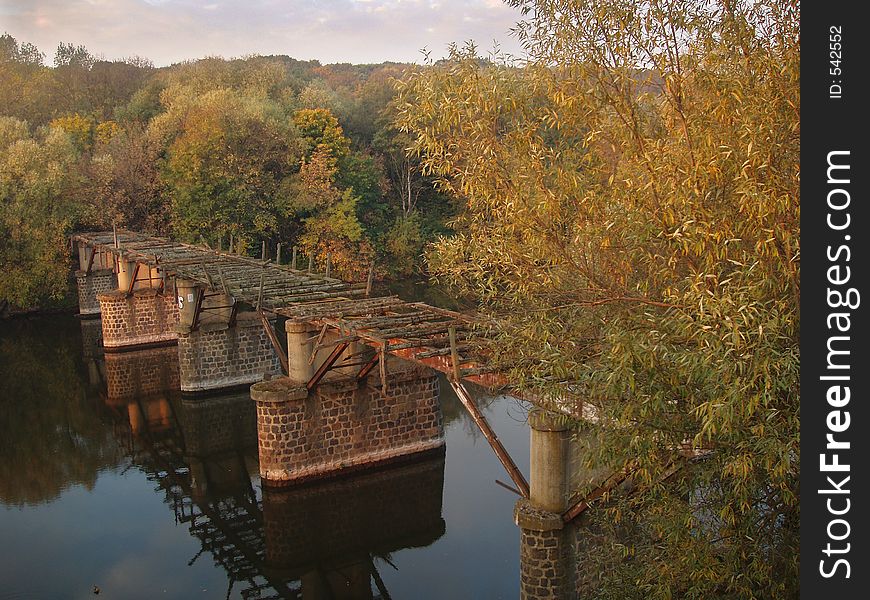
356	386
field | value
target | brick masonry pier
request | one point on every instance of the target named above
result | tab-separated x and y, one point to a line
216	356
90	286
344	425
145	317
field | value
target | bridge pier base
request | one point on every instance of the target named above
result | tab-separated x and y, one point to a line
90	285
546	542
344	425
145	317
216	356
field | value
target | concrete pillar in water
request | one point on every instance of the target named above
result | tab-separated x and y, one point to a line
187	293
299	347
546	566
548	487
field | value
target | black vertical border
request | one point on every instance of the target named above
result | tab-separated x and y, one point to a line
830	124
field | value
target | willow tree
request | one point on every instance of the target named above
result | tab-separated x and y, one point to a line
632	211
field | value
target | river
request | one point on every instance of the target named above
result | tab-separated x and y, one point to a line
130	498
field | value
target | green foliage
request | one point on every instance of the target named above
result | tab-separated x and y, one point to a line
37	178
79	128
329	216
632	212
228	157
320	128
404	242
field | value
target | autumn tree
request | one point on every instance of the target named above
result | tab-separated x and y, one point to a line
39	178
325	199
228	160
123	179
631	217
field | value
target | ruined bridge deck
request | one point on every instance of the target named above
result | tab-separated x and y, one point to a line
262	283
409	330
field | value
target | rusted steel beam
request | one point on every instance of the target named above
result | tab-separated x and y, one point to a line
91	260
482	424
326	366
382	362
200	294
233	314
454	355
364	372
509	488
133	279
316	348
276	345
580	506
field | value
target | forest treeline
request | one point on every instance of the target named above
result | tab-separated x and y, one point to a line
264	148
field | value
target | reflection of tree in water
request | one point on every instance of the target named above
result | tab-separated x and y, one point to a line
51	436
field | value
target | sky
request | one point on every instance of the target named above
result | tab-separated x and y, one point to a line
169	31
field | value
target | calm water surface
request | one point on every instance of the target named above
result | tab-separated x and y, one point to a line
152	497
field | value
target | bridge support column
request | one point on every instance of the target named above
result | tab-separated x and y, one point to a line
342	426
146	317
299	347
94	276
216	356
546	542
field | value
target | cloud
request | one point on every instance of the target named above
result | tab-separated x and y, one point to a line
167	31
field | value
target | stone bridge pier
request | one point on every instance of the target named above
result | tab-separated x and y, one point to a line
551	539
140	311
313	428
95	276
219	345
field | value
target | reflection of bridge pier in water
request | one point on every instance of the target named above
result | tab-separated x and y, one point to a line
327	535
310	541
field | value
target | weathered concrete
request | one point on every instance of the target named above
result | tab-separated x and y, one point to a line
215	356
343	426
549	461
301	339
299	347
145	317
